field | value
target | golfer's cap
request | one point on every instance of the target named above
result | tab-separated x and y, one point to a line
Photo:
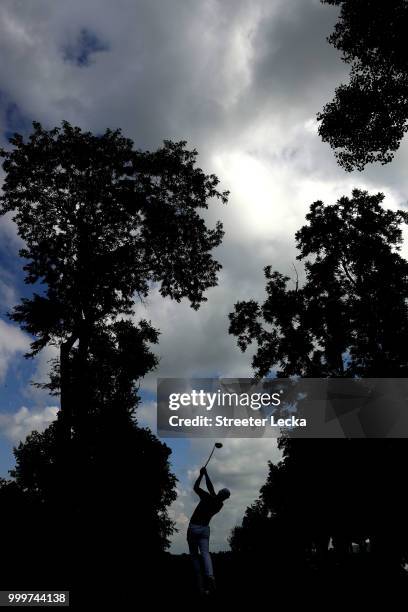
225	493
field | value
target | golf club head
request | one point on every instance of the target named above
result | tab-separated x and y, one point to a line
216	445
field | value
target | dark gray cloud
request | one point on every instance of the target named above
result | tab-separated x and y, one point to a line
294	65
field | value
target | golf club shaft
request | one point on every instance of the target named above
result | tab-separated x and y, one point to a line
208	460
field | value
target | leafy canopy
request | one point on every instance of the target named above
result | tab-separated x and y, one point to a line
350	315
102	222
368	116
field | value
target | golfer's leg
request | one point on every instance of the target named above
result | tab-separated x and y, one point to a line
195	558
204	544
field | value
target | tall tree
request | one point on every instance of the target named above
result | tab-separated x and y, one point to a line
348	318
102	224
368	116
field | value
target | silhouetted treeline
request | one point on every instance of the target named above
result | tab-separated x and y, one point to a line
348	318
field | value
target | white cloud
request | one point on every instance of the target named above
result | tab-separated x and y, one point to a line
18	425
43	365
13	342
147	415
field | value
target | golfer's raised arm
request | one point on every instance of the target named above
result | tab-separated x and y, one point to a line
209	484
198	481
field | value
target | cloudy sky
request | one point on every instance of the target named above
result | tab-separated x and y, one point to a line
241	81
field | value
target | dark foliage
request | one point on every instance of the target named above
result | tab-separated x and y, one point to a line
368	116
348	318
102	224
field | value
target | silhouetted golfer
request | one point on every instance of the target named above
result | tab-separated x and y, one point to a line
198	533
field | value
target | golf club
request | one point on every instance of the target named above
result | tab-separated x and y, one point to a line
216	445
